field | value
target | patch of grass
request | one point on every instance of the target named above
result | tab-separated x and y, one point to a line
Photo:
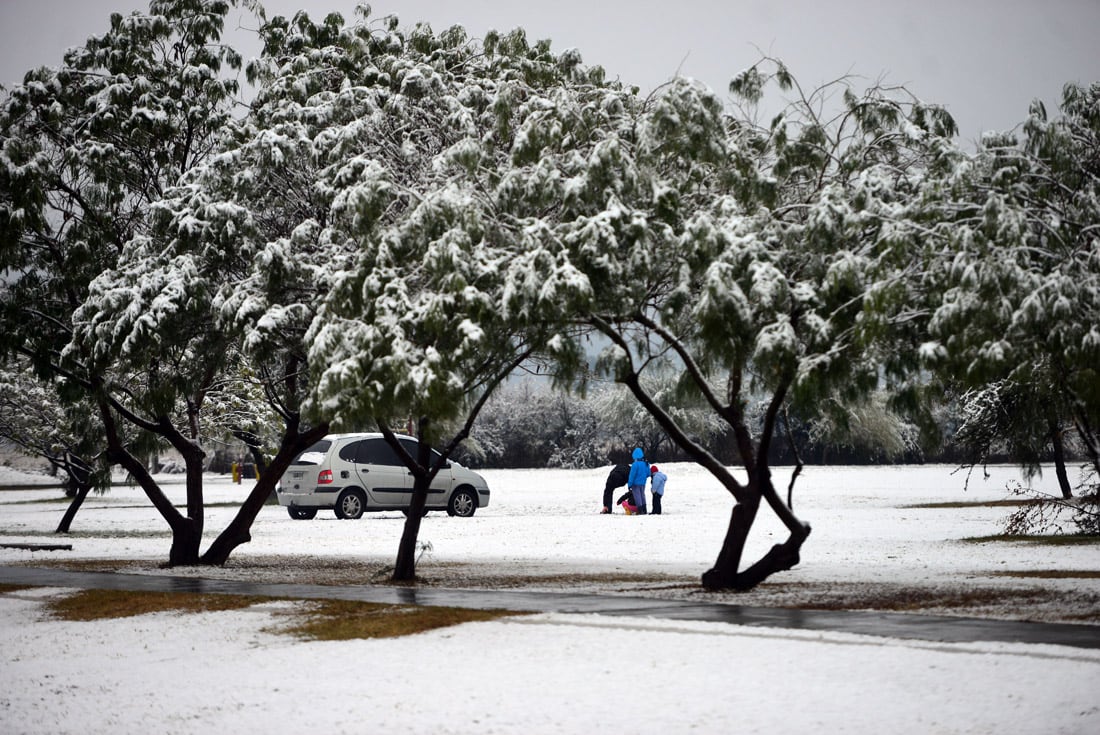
57	500
88	605
1054	540
31	487
1050	574
918	599
6	588
341	620
322	620
971	504
166	533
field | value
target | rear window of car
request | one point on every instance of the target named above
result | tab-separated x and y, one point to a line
352	452
315	454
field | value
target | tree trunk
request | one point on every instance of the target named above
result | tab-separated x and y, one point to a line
1088	438
185	536
193	461
781	557
404	569
723	575
77	488
239	530
797	458
1056	438
82	491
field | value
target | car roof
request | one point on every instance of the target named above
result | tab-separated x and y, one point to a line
363	435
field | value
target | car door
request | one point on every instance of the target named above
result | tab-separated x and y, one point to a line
382	474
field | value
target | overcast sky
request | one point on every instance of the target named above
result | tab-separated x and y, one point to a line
985	60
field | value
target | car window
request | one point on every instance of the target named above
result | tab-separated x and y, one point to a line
349	451
315	454
377	451
412	447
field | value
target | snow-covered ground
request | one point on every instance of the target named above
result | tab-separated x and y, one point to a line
553	673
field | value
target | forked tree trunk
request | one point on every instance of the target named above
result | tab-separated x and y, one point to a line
723	575
726	573
186	534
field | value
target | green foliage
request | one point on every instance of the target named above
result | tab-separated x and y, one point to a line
1020	273
86	149
396	137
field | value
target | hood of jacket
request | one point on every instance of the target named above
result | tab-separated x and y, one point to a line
638	454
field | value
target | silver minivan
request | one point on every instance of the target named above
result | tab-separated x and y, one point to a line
356	473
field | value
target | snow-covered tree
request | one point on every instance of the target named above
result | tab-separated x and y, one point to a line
340	190
527	424
784	259
1008	417
1019	318
420	128
34	420
226	280
870	425
87	148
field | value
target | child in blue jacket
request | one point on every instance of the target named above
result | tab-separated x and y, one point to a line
657	487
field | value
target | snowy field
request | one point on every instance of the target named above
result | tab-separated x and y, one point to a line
553	673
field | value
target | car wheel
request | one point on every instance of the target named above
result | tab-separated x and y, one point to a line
463	503
351	504
302	514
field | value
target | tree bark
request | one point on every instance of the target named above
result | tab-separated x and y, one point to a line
239	530
725	573
82	491
1056	438
186	536
404	569
79	485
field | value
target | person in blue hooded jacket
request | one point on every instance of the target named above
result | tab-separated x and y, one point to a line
639	473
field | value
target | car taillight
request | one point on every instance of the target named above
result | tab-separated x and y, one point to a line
325	477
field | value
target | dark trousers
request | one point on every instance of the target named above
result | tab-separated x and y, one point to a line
607	493
656	510
625	496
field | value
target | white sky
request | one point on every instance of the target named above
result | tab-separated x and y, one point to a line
985	60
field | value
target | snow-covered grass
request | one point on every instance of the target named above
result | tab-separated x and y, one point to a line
556	673
872	534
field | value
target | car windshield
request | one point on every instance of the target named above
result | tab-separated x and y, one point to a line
315	454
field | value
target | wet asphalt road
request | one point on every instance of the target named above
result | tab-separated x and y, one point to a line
884	624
